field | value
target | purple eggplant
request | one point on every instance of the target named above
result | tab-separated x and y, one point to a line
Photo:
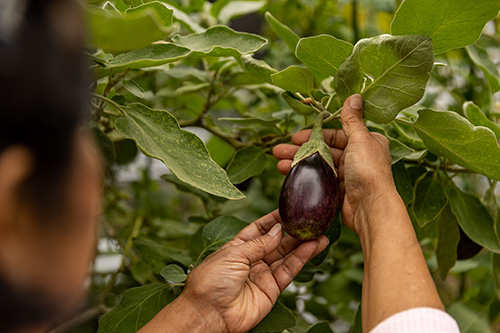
309	198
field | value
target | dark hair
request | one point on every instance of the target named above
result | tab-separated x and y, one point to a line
43	90
43	100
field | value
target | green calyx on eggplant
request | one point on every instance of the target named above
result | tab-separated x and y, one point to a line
309	197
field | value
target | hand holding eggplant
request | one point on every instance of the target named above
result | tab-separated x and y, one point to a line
362	160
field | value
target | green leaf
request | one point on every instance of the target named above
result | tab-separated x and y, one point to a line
220	231
182	186
294	79
137	307
133	88
156	255
150	56
217	7
184	19
253	122
137	29
470	317
448	134
449	236
478	118
403	182
482	59
473	218
429	198
221	41
258	68
297	105
495	271
173	273
356	327
401	151
322	327
284	32
246	163
163	13
390	72
451	23
278	319
323	54
238	8
157	134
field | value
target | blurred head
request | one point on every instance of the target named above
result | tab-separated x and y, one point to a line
49	177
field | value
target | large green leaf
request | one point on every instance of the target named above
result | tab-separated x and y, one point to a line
157	134
448	134
470	318
152	55
451	23
323	54
477	117
247	162
137	307
390	72
429	198
284	32
473	218
483	60
258	68
449	236
294	79
221	41
220	231
237	8
278	319
164	14
146	24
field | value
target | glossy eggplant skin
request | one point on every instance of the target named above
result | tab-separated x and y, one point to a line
309	198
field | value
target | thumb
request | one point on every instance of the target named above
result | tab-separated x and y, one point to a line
352	117
256	249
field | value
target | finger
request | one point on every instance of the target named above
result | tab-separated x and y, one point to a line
286	271
352	117
284	166
256	249
287	152
382	139
333	137
288	244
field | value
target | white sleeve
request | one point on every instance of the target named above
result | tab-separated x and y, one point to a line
418	320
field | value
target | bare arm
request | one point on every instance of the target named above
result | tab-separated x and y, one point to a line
396	276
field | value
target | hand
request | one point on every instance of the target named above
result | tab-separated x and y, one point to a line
242	280
362	160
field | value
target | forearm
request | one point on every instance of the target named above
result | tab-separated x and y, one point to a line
185	315
396	275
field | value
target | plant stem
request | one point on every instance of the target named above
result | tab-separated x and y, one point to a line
355	30
109	101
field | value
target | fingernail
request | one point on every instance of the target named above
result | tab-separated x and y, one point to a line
275	230
356	102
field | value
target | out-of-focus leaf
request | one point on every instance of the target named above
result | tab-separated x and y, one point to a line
137	307
221	41
237	8
278	319
483	60
449	236
451	23
390	72
164	14
473	218
356	327
140	27
156	255
429	198
284	32
448	134
247	162
294	79
323	327
220	231
152	55
133	88
403	182
157	134
258	68
470	318
495	271
323	54
173	273
478	118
